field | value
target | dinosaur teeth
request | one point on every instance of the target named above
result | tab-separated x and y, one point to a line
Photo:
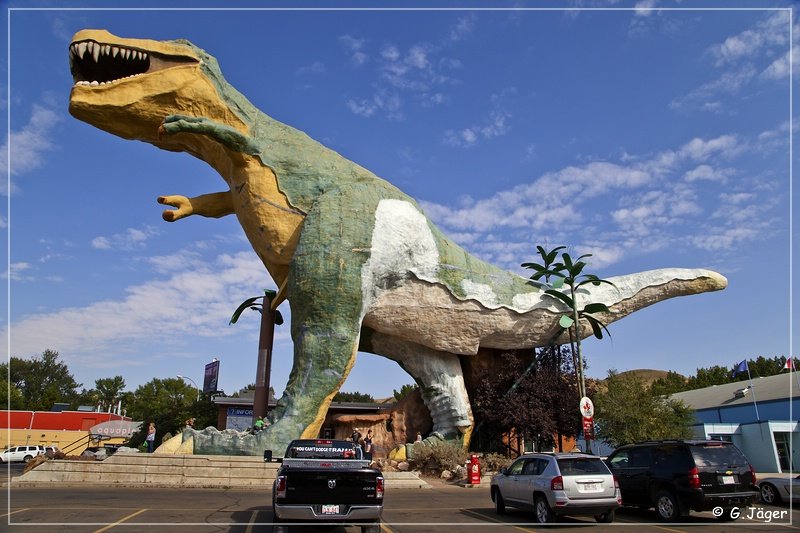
91	61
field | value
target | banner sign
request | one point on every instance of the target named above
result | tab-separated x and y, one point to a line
211	378
116	428
239	419
588	428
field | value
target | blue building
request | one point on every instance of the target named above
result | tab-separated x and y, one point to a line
759	418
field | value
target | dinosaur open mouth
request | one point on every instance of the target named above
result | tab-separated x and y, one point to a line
93	63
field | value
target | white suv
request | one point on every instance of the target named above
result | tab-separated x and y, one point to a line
20	453
554	484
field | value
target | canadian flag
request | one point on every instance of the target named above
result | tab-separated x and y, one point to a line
789	364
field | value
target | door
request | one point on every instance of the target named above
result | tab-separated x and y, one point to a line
632	468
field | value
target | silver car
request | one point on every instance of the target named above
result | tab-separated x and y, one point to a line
555	484
779	489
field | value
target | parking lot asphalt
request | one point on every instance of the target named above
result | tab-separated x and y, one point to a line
440	508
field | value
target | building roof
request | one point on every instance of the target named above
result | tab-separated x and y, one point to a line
778	387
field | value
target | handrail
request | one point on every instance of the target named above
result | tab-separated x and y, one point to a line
72	446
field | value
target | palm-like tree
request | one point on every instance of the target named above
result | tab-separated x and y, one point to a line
569	272
269	319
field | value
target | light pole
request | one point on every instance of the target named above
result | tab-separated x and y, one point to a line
193	383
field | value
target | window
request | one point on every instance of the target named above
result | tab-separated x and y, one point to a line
516	468
621	460
640	457
577	467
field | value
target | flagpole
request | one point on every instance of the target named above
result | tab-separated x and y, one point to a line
755	404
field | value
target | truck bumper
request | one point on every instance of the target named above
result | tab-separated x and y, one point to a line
312	513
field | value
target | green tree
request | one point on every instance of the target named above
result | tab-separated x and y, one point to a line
714	375
42	381
167	402
355	397
669	384
10	395
534	401
404	391
629	412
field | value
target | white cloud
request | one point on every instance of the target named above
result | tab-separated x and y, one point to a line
317	67
131	239
354	48
195	301
765	34
29	144
708	173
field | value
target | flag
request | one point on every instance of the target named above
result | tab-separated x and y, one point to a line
789	364
741	367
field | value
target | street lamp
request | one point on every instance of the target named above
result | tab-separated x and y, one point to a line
193	383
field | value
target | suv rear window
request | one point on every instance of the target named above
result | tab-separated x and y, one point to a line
581	466
717	455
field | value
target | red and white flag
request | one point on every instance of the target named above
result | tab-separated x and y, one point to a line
789	364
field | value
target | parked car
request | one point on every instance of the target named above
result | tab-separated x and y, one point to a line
555	484
779	489
20	453
677	476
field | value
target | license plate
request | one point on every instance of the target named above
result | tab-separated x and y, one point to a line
590	486
728	480
330	509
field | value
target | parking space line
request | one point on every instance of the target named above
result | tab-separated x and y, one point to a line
386	528
668	529
485	517
252	521
13	512
118	522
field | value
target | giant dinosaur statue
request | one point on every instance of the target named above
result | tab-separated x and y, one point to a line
362	266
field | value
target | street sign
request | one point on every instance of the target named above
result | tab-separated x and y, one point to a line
588	428
587	407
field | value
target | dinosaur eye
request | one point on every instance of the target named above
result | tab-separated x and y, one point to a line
92	63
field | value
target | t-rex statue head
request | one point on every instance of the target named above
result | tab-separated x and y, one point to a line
127	86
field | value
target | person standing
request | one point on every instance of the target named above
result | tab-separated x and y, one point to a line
368	442
151	437
356	436
259	424
419	437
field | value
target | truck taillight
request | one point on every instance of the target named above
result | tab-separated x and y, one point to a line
379	487
694	478
753	474
280	487
557	483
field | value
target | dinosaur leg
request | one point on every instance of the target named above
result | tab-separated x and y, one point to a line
325	291
440	379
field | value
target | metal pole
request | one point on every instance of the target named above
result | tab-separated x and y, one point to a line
264	365
193	383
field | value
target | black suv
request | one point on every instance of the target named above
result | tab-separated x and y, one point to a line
677	476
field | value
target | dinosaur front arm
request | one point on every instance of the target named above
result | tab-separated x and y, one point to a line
214	205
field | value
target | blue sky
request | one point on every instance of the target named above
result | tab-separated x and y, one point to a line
649	138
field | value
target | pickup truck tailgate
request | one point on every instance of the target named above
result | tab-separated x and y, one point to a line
335	486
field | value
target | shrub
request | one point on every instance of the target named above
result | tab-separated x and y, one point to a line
493	462
438	456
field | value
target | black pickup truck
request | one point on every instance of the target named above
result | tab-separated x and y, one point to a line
327	482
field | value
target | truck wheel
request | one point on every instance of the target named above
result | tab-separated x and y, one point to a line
27	458
280	528
667	506
499	504
371	528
